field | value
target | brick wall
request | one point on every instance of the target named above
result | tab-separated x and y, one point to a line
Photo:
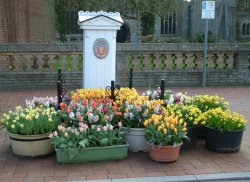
238	73
23	21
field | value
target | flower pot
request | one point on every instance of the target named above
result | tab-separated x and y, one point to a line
192	134
31	145
202	132
223	141
135	137
164	153
116	152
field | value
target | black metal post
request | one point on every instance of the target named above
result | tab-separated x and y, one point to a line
59	88
131	78
112	90
162	89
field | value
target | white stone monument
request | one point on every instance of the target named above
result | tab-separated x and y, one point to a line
99	47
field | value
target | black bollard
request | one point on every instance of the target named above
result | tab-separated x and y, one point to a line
162	89
59	89
131	78
112	96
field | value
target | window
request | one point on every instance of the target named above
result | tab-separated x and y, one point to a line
168	24
245	29
71	23
246	3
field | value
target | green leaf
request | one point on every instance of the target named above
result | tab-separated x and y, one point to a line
73	152
62	146
84	143
104	142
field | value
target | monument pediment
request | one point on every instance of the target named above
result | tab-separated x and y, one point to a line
99	19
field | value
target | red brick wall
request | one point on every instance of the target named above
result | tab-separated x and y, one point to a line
23	21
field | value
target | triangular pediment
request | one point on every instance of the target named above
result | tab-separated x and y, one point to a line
100	20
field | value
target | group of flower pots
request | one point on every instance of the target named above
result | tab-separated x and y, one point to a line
95	128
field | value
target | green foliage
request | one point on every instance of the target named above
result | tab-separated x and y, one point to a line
130	58
79	62
199	38
58	64
162	58
69	65
151	61
140	62
147	20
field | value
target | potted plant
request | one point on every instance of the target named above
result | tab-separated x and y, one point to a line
97	117
192	115
224	130
84	143
29	128
205	103
134	113
164	134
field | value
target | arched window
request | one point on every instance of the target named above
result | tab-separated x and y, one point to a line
168	24
246	3
243	30
248	29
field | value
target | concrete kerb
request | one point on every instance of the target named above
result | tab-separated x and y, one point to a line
244	176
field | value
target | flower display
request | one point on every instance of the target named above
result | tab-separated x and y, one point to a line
169	96
191	114
74	138
134	112
31	121
82	94
224	120
165	129
206	102
90	111
42	101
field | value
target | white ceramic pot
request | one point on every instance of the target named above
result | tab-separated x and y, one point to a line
135	137
31	145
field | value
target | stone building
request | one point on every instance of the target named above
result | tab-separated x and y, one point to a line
34	21
24	21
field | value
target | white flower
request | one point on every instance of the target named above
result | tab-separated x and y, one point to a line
120	124
72	115
148	92
66	135
105	128
110	127
98	129
171	99
95	118
90	116
51	135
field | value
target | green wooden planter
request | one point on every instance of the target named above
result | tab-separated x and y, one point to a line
116	152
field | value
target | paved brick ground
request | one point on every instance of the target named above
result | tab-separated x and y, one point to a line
195	161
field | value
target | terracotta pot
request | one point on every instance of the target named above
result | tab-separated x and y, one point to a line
164	153
31	145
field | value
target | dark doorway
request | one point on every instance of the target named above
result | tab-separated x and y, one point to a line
123	35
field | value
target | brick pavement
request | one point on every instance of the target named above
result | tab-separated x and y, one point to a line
136	165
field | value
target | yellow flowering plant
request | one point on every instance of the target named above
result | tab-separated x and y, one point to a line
191	114
206	102
224	120
165	129
31	121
